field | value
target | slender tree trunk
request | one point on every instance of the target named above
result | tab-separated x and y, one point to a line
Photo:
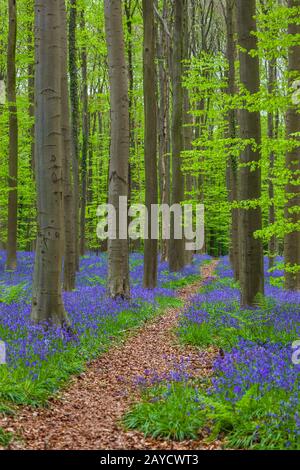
150	110
118	260
69	226
2	102
129	14
12	223
272	77
188	118
47	303
176	246
292	239
232	134
164	120
198	131
90	193
31	86
85	142
251	252
74	120
273	124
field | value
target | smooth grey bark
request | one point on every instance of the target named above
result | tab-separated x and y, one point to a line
272	134
129	11
164	132
85	141
118	260
188	131
150	148
12	221
2	102
292	239
69	212
92	124
232	134
250	219
31	86
47	303
130	7
74	102
176	246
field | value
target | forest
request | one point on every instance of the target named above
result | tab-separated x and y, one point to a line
149	225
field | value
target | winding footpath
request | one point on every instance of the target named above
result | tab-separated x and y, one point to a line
87	414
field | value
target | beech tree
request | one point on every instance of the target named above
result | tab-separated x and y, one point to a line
85	142
12	220
231	53
118	262
74	103
292	212
150	109
251	272
176	246
273	122
47	303
163	52
188	136
69	208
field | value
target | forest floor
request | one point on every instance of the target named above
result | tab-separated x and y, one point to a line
87	414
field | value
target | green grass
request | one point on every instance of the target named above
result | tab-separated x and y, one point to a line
209	334
181	411
183	282
167	412
197	335
213	333
5	438
15	293
95	280
169	302
135	262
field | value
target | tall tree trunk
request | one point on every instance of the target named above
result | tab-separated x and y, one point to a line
188	118
74	120
292	239
232	163
12	223
164	119
118	261
2	102
47	303
31	84
272	77
273	125
85	142
90	192
129	14
251	251
150	110
69	226
176	246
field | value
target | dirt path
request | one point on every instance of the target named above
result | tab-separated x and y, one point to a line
88	413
